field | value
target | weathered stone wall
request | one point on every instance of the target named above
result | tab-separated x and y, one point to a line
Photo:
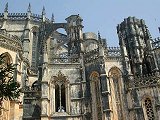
12	109
73	90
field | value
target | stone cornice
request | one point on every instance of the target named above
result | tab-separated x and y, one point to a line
10	42
109	58
62	66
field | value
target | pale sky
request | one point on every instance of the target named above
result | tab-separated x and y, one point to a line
98	15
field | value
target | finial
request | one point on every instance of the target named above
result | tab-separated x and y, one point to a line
6	7
99	36
52	18
43	11
159	29
29	8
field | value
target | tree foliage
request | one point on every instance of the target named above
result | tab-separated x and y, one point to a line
9	88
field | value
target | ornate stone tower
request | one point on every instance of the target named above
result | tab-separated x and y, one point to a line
97	93
62	70
140	69
73	75
75	35
135	41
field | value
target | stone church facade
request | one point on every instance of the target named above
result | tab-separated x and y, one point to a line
76	76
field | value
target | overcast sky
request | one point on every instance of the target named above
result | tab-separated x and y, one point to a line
98	15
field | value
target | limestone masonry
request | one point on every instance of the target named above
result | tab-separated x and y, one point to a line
76	76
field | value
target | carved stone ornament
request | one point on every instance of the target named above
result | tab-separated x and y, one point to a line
10	42
60	78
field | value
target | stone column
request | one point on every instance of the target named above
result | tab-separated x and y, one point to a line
68	98
52	100
44	101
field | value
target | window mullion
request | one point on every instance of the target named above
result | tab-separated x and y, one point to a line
60	107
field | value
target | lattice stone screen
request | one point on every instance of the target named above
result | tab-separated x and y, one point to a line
149	109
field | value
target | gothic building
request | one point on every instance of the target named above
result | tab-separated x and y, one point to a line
75	75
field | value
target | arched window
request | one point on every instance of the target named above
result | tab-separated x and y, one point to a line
115	75
6	58
61	84
149	109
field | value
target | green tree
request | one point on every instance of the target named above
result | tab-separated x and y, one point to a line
9	88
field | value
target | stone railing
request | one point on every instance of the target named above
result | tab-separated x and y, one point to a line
10	41
23	16
63	60
91	55
17	16
38	18
146	80
156	43
10	36
113	51
36	15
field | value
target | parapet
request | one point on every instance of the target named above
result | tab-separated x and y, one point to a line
145	80
23	16
156	43
113	51
11	42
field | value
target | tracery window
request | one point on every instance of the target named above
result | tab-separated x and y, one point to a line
61	89
149	109
7	59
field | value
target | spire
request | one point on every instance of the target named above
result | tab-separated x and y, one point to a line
29	8
43	14
43	11
52	18
99	36
6	7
